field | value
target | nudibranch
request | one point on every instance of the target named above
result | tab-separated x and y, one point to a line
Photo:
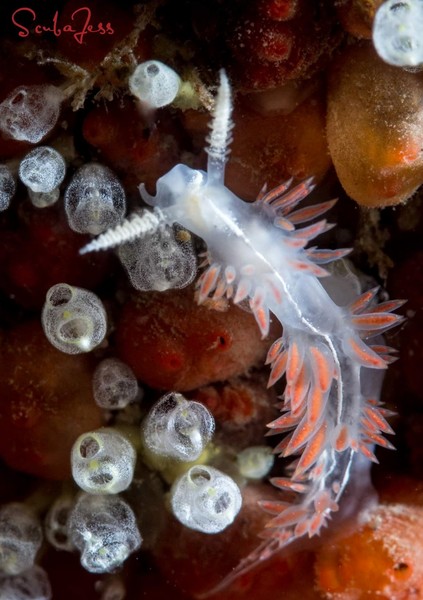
257	252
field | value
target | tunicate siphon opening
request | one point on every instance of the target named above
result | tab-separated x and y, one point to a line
89	447
59	295
152	69
199	476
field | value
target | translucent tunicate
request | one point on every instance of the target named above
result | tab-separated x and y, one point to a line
73	319
177	428
30	112
255	462
44	199
42	170
7	187
30	585
94	199
20	538
112	588
160	261
56	524
103	462
205	499
154	83
397	32
114	384
104	530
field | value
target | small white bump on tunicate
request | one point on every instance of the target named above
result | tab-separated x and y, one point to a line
177	428
205	499
20	538
29	113
255	462
159	261
94	199
56	524
154	83
33	584
397	32
42	170
114	384
104	530
7	187
103	462
73	319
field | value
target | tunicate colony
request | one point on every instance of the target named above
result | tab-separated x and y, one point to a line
99	523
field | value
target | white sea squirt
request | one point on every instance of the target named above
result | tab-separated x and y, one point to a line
177	428
256	252
20	538
103	461
397	32
42	171
205	499
73	319
104	530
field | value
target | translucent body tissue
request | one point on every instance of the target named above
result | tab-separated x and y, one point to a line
56	524
397	32
73	319
30	585
94	199
161	261
255	462
177	428
20	538
154	83
29	113
42	170
104	530
7	187
205	499
103	462
114	384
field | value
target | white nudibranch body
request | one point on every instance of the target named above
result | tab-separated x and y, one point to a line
177	428
397	32
154	83
73	319
103	462
205	499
